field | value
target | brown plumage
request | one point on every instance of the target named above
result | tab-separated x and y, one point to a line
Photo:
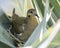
29	23
18	23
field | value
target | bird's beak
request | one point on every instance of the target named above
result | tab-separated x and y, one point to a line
36	15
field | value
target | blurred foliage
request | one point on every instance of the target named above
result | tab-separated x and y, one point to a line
41	6
56	7
56	41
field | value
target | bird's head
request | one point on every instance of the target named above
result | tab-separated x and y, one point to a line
32	12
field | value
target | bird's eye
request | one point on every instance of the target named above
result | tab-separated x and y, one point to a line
31	12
